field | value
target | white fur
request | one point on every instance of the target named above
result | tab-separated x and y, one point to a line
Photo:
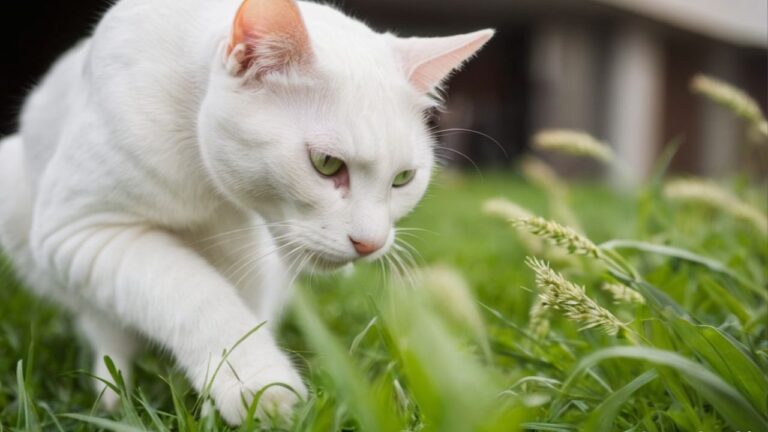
158	195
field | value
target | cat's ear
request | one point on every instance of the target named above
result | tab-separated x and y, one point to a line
268	36
429	61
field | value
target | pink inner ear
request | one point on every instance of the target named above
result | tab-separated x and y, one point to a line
429	61
273	34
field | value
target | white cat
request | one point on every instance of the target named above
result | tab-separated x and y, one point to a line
174	172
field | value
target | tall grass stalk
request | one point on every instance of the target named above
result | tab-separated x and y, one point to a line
708	193
558	293
733	99
573	142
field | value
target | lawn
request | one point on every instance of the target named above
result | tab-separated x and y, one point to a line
456	347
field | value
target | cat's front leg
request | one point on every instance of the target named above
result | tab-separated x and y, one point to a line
107	338
155	284
245	253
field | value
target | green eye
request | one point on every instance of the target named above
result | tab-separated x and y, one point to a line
325	164
404	178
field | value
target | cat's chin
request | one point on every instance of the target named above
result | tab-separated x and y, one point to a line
319	264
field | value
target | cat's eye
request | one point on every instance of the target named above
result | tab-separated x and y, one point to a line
325	164
404	178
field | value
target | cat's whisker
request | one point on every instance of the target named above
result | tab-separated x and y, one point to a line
408	256
409	272
243	252
383	272
412	232
251	264
223	238
397	271
404	264
409	235
392	274
312	272
403	243
297	271
292	258
408	249
399	236
402	229
443	132
249	256
442	162
250	227
233	235
409	280
474	164
254	245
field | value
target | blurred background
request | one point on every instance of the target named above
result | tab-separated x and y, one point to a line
618	69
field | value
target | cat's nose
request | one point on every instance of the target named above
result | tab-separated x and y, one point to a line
365	248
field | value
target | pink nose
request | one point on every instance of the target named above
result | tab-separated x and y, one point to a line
365	248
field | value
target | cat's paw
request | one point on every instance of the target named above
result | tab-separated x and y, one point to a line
276	384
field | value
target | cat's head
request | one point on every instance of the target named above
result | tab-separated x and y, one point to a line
319	124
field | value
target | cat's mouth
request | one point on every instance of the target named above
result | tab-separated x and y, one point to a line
309	253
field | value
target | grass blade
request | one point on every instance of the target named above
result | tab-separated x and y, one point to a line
603	416
673	252
27	419
728	358
351	383
655	297
109	425
733	407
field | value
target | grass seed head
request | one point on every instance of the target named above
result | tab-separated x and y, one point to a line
709	194
540	174
559	235
538	320
450	293
506	209
509	211
623	294
558	293
732	99
573	142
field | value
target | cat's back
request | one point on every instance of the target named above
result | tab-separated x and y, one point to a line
48	107
113	123
142	68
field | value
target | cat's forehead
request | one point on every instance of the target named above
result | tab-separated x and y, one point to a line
372	126
370	140
367	111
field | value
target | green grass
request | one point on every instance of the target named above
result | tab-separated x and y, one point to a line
381	357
